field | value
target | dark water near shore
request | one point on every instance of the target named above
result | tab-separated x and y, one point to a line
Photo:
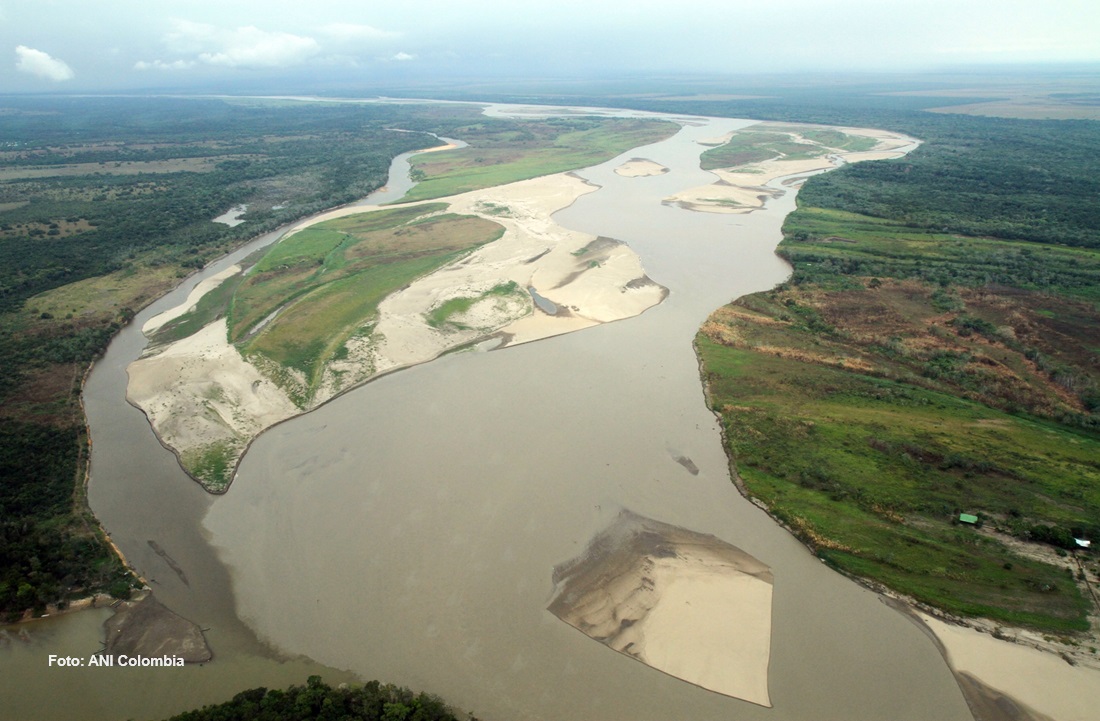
409	529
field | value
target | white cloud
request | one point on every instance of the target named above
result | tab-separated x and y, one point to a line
402	57
42	64
162	65
351	31
244	47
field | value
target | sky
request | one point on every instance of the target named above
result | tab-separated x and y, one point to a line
70	46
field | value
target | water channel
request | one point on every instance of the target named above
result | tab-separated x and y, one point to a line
407	530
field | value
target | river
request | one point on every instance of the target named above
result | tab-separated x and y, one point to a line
407	530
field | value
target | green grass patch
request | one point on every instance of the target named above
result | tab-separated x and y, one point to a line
323	287
873	472
212	464
498	156
443	314
754	146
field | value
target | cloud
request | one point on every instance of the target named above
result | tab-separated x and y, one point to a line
402	57
351	31
42	64
162	65
244	47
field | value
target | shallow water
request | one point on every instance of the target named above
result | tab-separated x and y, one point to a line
409	529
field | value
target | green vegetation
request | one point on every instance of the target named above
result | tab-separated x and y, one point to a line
372	701
753	146
909	371
321	285
502	154
443	314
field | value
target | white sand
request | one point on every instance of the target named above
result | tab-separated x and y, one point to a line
202	288
682	602
200	391
1039	679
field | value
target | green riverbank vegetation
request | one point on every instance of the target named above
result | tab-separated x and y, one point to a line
933	354
501	154
372	701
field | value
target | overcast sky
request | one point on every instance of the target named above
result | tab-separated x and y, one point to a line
93	45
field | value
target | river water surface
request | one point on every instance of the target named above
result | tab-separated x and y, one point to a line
407	531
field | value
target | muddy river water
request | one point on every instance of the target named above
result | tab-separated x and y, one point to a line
407	531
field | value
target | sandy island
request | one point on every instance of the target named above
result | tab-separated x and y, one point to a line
745	188
685	603
640	168
206	401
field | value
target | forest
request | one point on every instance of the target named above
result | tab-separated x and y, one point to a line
316	700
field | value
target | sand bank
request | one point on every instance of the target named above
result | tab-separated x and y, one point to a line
682	602
1035	682
201	288
207	402
640	168
748	187
145	628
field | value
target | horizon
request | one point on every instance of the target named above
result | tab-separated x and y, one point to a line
67	47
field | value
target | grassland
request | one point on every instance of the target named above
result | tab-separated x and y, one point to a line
497	155
753	146
902	377
324	284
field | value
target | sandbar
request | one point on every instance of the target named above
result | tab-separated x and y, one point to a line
201	288
685	603
640	168
1036	682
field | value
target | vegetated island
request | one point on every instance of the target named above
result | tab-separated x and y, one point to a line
357	294
932	357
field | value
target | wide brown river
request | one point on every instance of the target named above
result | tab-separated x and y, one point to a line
407	531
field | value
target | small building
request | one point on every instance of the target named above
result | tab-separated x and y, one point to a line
967	518
1082	543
